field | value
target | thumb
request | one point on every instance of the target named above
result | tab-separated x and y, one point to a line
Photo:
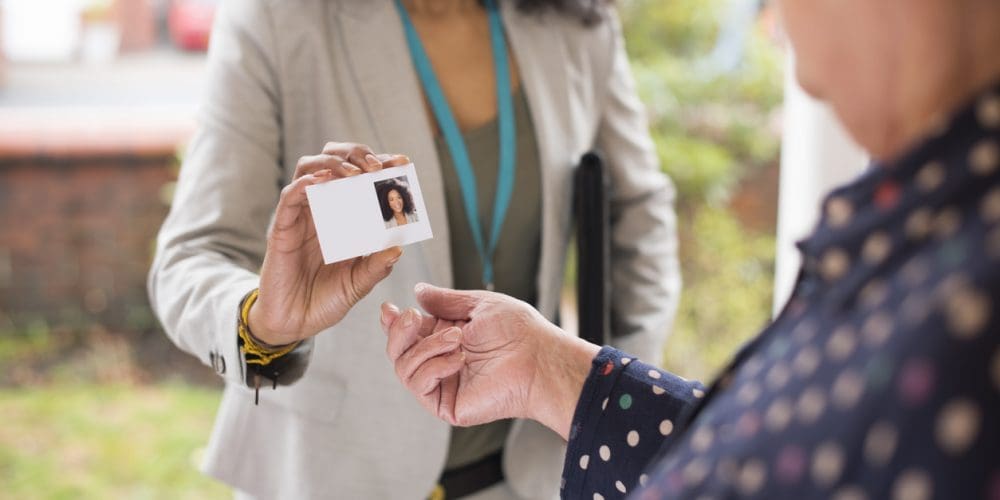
445	303
367	272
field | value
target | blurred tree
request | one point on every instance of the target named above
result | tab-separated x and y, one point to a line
713	102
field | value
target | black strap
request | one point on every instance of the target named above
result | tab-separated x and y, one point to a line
468	479
593	248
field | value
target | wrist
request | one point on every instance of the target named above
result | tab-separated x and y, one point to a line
563	367
258	330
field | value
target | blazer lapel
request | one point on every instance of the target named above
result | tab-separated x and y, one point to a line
390	90
541	58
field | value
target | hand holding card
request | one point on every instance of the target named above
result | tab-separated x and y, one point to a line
300	295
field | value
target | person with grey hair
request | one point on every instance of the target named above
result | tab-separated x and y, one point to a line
880	378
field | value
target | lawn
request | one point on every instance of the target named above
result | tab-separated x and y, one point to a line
100	441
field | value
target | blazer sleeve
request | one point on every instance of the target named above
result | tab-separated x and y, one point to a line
210	248
645	273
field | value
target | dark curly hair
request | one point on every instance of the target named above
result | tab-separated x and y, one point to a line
382	188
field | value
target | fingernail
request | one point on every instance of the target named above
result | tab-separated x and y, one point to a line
372	161
388	308
352	168
451	335
410	317
420	287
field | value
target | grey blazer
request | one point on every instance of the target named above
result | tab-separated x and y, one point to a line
286	76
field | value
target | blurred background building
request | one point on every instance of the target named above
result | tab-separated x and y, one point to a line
97	100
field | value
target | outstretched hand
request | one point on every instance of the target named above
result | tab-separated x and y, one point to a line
481	356
299	294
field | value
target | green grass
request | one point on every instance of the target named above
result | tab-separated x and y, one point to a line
99	441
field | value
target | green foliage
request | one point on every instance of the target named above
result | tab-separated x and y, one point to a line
710	127
727	292
99	441
712	130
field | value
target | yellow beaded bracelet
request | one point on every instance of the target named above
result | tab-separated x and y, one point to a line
253	351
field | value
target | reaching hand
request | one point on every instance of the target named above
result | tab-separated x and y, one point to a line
484	356
299	294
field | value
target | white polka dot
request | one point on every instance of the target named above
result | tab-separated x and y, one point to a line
643	479
584	461
752	476
698	393
877	329
804	331
604	405
967	312
810	405
880	443
695	472
658	390
915	308
847	389
834	264
850	493
827	464
777	376
702	439
841	344
989	209
874	293
632	439
984	157
666	427
839	211
605	452
931	176
912	484
806	361
957	426
749	392
620	486
988	111
947	223
626	361
598	496
876	248
778	415
653	374
918	224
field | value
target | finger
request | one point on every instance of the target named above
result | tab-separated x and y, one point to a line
336	163
420	352
403	333
428	377
448	393
358	154
293	198
367	271
391	160
390	313
446	303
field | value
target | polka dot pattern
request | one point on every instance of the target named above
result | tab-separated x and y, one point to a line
878	380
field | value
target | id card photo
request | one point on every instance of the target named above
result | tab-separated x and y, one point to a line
369	212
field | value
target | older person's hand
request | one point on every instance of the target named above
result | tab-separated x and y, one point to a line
299	294
482	356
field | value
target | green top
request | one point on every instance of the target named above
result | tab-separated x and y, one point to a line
516	260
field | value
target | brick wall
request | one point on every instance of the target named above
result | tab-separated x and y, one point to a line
79	211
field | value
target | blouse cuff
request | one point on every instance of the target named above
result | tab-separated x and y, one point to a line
626	412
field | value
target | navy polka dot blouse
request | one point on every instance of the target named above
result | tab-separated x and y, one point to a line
880	379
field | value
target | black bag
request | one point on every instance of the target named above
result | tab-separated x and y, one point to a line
592	189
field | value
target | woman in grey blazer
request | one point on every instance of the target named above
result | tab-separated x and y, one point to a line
286	76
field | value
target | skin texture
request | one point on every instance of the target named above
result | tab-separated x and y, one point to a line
890	69
299	294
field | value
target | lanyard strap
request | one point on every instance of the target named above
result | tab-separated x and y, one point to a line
453	135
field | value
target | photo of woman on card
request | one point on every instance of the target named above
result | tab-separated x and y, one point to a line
396	202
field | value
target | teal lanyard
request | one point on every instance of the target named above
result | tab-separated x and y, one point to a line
453	135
